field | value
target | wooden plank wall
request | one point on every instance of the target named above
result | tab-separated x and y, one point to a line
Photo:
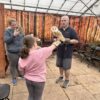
86	28
2	51
37	23
40	24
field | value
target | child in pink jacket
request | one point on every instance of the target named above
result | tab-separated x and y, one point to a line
33	64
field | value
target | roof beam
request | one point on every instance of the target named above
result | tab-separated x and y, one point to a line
54	13
50	5
89	7
73	6
37	4
84	6
43	8
11	4
61	5
24	5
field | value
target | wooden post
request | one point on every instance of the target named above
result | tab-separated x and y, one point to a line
2	49
43	29
35	32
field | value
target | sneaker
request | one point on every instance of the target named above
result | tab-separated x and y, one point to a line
14	81
60	79
65	84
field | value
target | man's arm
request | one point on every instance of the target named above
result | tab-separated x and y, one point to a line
71	41
74	41
74	38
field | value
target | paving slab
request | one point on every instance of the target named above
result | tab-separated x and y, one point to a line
54	92
97	96
88	79
78	93
20	87
84	83
93	88
20	96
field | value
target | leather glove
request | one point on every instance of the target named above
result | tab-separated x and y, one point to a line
56	43
55	31
67	40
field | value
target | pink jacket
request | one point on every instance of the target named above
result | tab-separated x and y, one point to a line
34	66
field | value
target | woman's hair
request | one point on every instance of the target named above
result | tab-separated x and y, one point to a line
11	20
28	42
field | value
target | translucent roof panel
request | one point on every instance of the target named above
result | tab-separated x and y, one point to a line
31	3
77	7
89	12
52	11
88	5
44	3
96	9
86	1
56	4
19	2
61	12
70	7
7	6
88	15
18	8
67	5
42	10
4	1
73	14
30	9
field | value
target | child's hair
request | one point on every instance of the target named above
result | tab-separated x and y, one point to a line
28	42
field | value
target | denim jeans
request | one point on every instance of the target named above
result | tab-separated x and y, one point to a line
35	89
13	62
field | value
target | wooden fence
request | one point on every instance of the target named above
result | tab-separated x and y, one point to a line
39	24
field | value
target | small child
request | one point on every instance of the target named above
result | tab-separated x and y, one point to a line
32	63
